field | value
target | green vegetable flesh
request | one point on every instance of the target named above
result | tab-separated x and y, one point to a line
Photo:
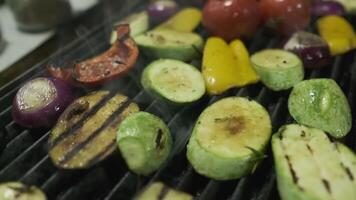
229	138
278	69
85	132
173	81
159	191
320	103
310	167
171	44
19	191
144	141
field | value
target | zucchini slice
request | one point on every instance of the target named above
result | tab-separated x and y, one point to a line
170	44
86	131
320	103
19	191
144	141
311	167
173	81
229	138
159	191
278	69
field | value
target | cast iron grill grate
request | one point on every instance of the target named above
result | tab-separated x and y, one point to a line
23	153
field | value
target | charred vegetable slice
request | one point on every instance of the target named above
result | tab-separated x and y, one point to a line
320	103
229	138
173	81
19	191
144	141
171	44
86	131
278	69
310	167
115	62
159	191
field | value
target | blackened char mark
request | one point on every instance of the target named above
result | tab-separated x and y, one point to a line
163	192
292	171
159	139
326	185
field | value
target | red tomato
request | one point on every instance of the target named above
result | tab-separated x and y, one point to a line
286	16
231	19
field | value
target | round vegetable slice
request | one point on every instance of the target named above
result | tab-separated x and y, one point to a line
174	81
144	141
320	103
86	131
40	101
229	138
278	69
160	191
19	191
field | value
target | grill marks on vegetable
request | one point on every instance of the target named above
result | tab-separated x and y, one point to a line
162	194
93	137
159	139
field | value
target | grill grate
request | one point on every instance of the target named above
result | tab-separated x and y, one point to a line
23	153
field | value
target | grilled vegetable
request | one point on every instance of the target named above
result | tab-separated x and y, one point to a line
86	131
278	69
320	103
185	20
113	63
40	101
322	7
138	23
144	141
229	138
161	10
225	67
159	191
338	33
173	81
310	167
19	191
170	44
312	49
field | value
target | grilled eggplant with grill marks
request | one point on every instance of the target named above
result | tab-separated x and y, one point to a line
311	167
86	131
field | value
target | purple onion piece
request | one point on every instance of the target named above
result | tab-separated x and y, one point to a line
321	8
159	11
312	49
39	102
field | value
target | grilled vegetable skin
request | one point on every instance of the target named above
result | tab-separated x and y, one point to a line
229	138
144	141
86	131
19	191
320	103
115	62
159	191
311	167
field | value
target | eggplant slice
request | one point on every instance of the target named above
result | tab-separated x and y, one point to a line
86	131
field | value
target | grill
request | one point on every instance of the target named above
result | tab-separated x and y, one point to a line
23	152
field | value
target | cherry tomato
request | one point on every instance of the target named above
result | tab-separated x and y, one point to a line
231	19
286	16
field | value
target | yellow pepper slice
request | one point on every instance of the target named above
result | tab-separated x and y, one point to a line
338	33
225	66
185	20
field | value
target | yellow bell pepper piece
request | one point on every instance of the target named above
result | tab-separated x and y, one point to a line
185	20
247	74
338	33
225	66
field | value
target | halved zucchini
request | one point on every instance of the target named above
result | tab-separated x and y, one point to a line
174	81
311	167
229	138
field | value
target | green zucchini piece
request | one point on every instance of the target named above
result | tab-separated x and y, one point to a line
138	23
159	191
172	44
320	103
144	141
229	138
19	191
86	131
278	69
173	81
311	167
